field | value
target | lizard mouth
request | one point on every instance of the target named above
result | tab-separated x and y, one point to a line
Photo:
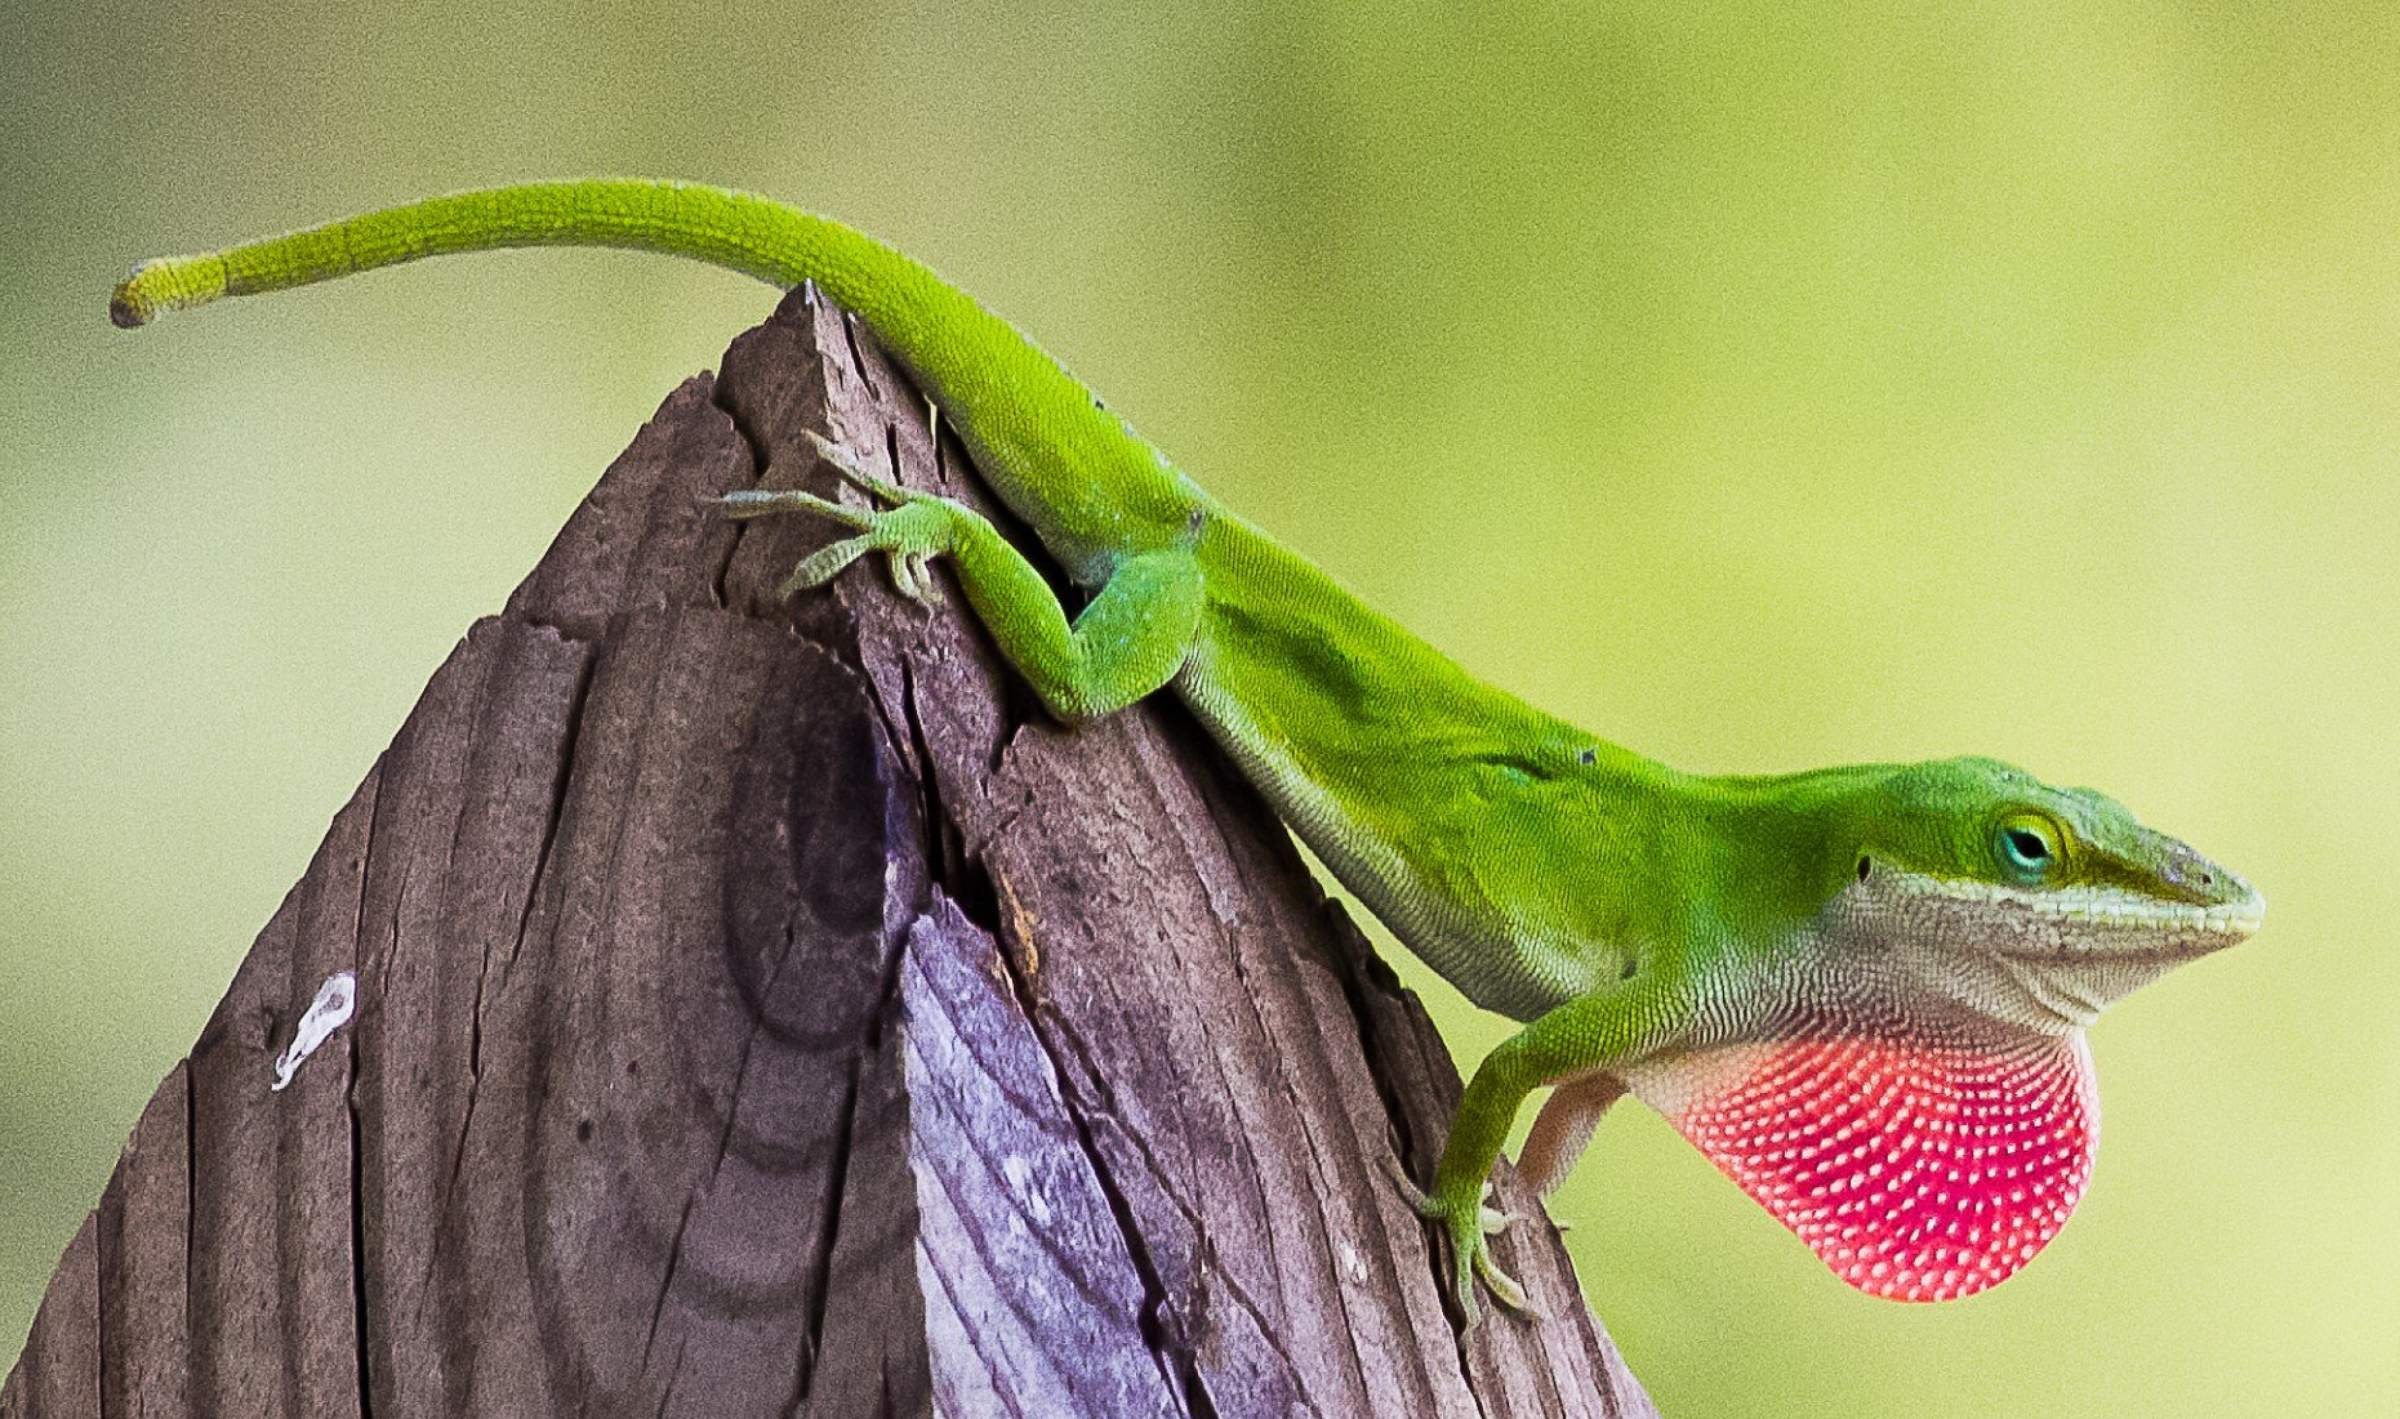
2121	956
2124	910
2048	960
2116	923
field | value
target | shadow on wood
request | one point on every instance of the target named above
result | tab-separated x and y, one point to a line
762	1010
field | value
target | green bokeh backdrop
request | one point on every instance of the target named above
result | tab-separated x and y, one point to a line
1763	387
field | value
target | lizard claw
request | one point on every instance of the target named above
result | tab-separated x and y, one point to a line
1505	1289
745	503
854	475
917	567
912	575
1469	1228
1496	1221
905	570
910	530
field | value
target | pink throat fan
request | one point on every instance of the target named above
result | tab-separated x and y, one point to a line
1917	1171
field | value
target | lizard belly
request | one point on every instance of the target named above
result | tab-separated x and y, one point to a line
1483	954
1421	788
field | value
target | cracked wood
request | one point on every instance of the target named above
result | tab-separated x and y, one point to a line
763	1011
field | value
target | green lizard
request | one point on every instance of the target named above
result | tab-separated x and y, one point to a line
1862	992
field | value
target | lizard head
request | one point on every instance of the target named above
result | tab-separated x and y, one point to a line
1979	887
1917	1100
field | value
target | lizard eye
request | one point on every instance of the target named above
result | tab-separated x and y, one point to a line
2027	847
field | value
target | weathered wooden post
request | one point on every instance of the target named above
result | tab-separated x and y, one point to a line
762	1010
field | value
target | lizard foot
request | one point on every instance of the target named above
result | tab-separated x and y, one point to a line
910	531
1469	1225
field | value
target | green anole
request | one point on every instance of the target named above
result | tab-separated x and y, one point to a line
1862	992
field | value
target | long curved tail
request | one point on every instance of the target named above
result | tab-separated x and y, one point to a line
1090	487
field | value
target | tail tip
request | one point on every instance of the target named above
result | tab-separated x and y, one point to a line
127	310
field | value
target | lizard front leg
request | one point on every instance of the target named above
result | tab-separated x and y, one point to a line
1591	1035
1129	640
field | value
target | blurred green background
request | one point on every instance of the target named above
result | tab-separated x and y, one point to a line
1762	388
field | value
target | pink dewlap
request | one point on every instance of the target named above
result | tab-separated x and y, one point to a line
1918	1172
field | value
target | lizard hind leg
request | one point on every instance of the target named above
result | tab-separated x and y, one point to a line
1564	1128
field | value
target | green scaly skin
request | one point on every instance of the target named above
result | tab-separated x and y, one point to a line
1649	926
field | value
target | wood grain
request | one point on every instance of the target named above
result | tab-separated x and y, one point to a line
762	1010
